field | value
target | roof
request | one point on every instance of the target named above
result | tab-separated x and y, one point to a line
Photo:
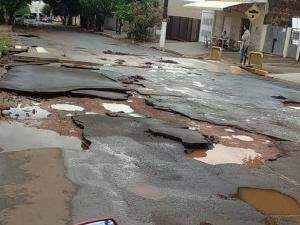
218	5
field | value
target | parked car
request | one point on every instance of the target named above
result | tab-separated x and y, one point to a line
47	19
30	20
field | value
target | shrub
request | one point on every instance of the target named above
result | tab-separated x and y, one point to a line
5	43
143	15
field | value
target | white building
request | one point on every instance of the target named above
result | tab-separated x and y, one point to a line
36	7
217	16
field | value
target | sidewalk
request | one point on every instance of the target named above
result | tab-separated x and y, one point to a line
112	34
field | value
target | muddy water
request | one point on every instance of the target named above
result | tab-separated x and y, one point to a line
16	136
40	193
269	202
221	154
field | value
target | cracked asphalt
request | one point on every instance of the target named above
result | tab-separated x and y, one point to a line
137	176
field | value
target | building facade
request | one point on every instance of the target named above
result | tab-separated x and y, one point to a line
269	22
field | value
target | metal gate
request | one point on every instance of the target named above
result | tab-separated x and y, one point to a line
275	39
183	29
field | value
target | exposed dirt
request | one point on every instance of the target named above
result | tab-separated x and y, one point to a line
43	194
261	144
61	123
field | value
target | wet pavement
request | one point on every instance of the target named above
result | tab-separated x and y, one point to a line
145	137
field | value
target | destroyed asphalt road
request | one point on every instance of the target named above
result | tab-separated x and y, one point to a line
136	169
144	179
47	80
220	97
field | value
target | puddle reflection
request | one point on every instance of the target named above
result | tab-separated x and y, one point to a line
221	154
16	136
269	202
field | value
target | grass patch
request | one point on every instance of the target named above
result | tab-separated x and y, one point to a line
5	43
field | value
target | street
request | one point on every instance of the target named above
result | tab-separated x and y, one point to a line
92	126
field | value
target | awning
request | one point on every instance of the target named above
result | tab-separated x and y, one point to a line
218	5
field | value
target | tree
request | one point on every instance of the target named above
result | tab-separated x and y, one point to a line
143	15
64	8
47	9
94	12
8	8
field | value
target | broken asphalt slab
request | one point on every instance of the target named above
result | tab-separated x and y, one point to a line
212	93
101	94
144	179
95	125
189	138
55	80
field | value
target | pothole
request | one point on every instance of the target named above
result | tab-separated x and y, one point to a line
269	202
221	154
18	137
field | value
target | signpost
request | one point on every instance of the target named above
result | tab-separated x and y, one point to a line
253	13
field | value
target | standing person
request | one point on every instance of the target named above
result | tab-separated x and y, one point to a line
245	44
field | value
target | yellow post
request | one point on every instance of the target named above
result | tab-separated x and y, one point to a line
256	59
216	53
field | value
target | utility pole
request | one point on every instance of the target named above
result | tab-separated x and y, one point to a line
163	31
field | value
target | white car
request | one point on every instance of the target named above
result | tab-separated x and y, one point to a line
30	20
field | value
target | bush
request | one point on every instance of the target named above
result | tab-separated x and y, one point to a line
5	43
144	15
23	10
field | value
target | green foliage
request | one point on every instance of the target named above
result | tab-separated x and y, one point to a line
123	9
144	15
5	43
64	8
47	9
94	12
8	8
22	11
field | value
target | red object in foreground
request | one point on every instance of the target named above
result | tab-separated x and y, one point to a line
97	219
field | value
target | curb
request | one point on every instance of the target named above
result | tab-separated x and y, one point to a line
256	71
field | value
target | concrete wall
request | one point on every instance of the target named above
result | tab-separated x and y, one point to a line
275	33
176	8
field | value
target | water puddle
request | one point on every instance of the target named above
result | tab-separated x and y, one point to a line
67	107
17	136
229	130
117	108
226	137
221	154
41	50
136	115
91	113
27	112
243	137
269	202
